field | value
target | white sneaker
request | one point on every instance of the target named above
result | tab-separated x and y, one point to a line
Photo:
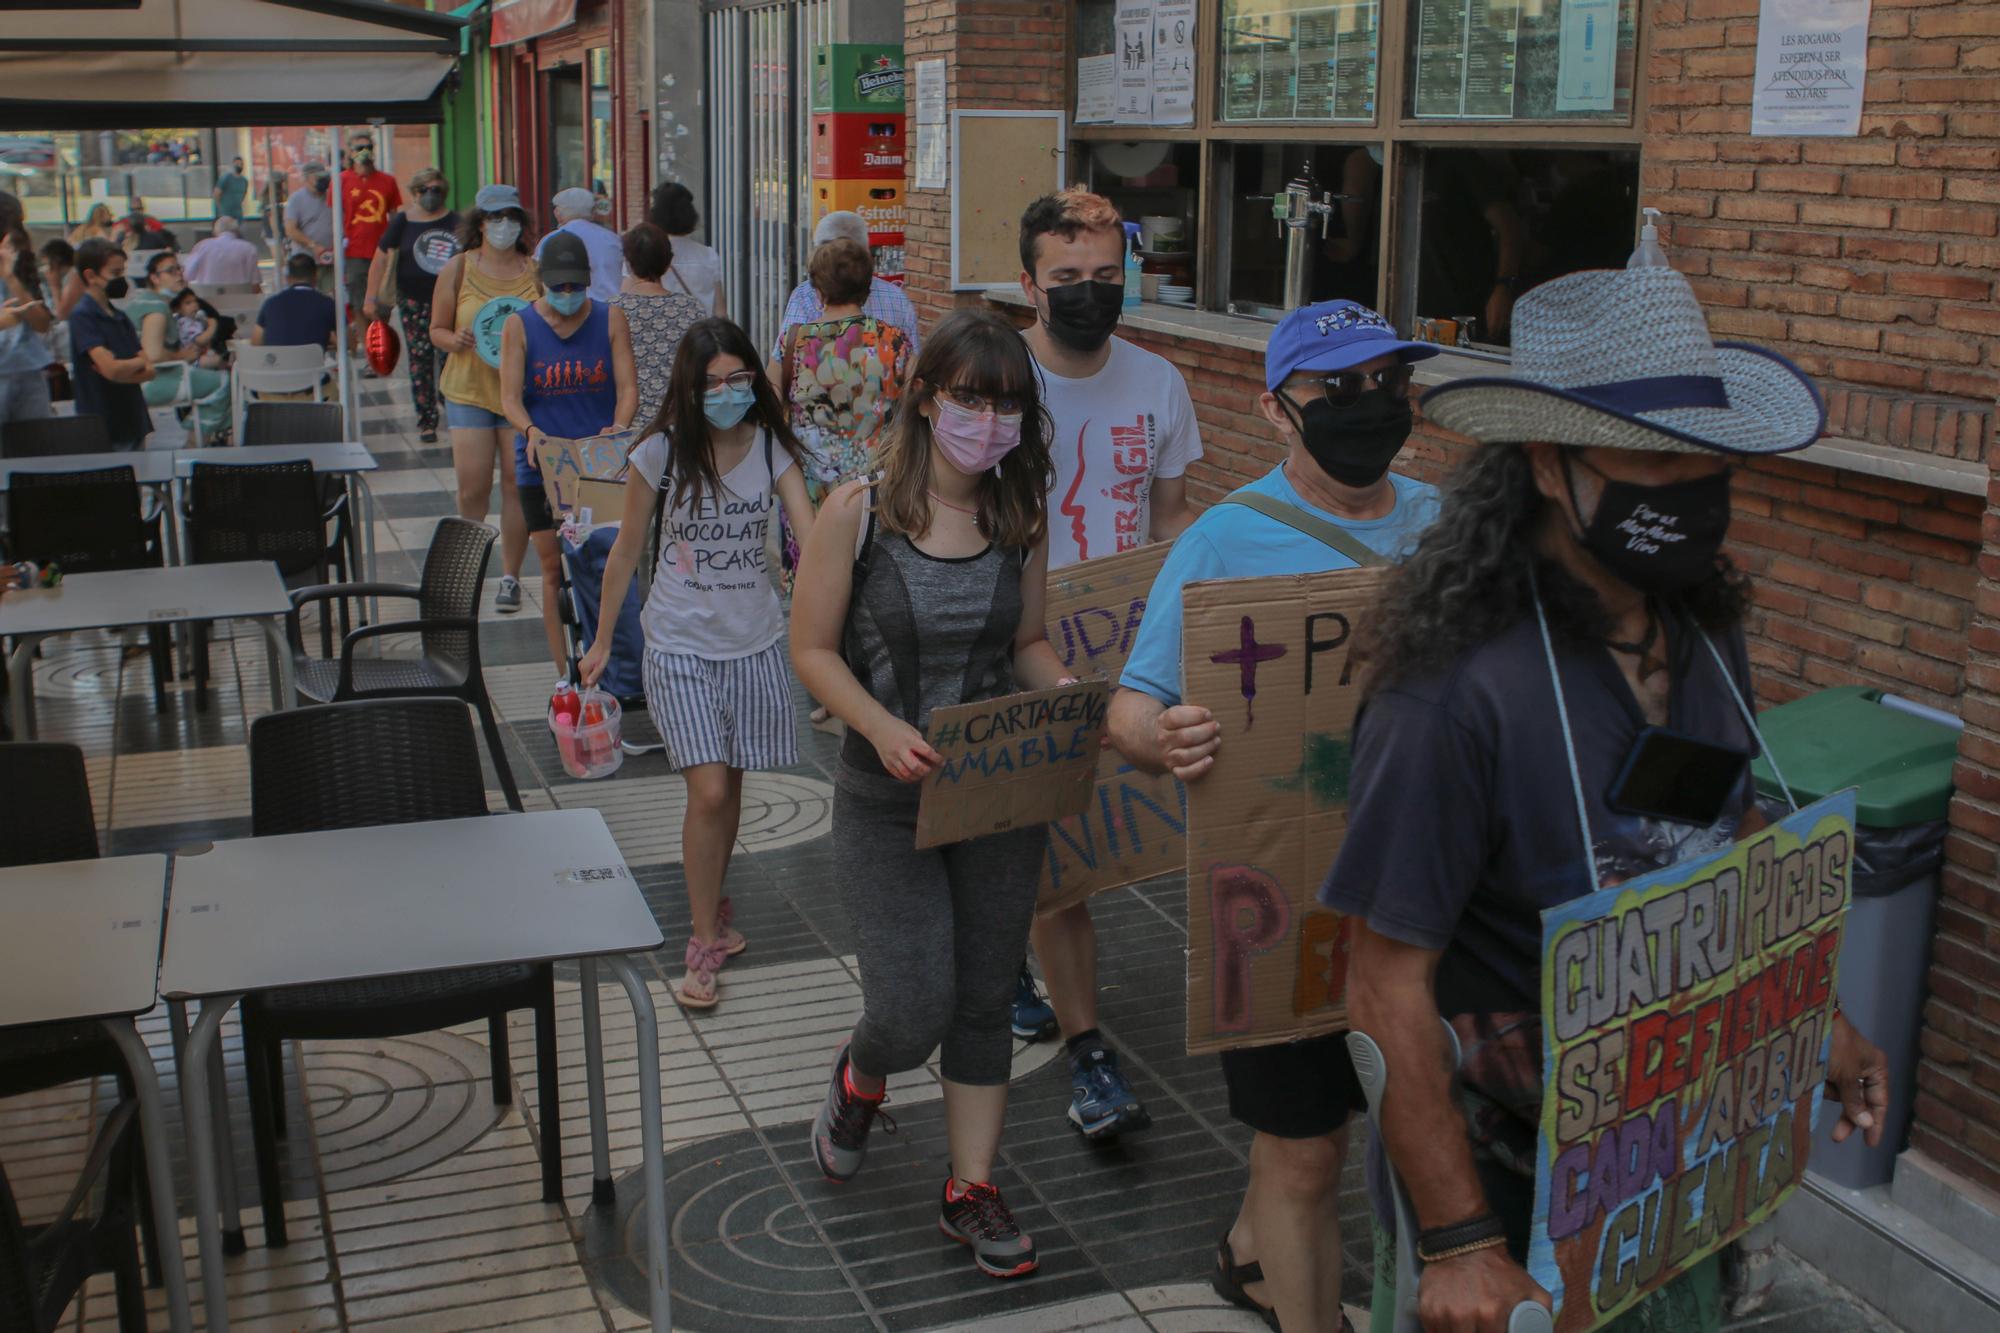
508	599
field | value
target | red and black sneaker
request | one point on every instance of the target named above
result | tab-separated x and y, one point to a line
977	1217
840	1130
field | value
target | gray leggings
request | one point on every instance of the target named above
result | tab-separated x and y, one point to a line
940	933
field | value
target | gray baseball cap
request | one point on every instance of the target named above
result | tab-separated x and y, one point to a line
497	198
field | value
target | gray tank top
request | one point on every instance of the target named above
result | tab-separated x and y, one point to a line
925	632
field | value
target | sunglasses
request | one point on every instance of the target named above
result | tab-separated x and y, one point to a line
1344	388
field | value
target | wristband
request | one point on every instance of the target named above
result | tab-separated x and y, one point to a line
1474	1233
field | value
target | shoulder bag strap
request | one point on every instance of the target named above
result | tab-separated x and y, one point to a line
1312	525
680	282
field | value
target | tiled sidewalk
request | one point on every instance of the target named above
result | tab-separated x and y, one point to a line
414	1200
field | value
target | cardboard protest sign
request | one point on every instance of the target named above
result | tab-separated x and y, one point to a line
1686	1018
586	474
1272	659
1010	762
1134	826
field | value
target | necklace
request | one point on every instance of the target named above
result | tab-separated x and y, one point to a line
1649	665
949	505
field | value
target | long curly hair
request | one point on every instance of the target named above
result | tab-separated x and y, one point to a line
1472	577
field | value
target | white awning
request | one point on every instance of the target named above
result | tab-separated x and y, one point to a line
223	62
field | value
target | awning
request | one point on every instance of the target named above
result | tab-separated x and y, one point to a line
518	20
204	63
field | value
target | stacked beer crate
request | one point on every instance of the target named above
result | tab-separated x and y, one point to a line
857	143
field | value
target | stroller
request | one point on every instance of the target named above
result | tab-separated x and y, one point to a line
579	599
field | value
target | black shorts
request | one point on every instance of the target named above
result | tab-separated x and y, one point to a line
1296	1089
535	508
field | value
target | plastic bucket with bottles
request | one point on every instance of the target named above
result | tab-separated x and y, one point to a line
586	727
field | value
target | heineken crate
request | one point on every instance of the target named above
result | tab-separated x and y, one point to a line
852	77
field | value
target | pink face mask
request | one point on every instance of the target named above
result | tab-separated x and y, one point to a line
974	441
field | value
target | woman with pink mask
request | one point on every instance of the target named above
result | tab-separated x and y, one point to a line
921	587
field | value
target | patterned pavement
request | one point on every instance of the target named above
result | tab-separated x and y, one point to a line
413	1198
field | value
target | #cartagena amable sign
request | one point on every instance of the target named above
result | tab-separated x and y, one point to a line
1685	1026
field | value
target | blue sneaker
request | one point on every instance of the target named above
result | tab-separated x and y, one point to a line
1101	1103
1034	1020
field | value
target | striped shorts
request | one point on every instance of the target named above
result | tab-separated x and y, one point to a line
737	711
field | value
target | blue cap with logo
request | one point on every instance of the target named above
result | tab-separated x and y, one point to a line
1334	335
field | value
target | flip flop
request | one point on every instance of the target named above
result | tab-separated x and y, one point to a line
732	940
1230	1278
703	962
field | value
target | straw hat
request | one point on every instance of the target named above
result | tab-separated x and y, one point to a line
1622	359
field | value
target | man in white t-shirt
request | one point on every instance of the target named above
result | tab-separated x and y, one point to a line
1124	436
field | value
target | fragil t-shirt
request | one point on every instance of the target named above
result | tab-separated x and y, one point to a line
1115	432
1236	542
712	591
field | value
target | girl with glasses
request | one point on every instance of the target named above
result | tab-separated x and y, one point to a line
707	479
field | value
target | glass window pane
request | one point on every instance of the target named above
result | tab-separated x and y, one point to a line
603	151
1522	59
1096	28
1157	185
1341	250
1493	223
1299	60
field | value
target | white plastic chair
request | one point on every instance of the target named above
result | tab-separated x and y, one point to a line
271	369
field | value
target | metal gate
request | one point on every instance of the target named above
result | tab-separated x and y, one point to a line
759	151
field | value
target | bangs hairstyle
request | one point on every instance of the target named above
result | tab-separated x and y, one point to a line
1068	214
471	238
690	445
979	352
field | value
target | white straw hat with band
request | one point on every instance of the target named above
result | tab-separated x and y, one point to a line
1622	359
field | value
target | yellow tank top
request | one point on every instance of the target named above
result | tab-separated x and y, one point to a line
467	378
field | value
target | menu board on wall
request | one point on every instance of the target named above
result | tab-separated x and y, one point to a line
1466	53
1302	61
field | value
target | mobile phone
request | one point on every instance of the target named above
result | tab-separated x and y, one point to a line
1676	777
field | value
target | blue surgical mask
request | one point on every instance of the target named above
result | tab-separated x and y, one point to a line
567	303
726	406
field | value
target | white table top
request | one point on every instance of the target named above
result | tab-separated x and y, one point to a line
311	908
166	596
152	467
345	456
80	939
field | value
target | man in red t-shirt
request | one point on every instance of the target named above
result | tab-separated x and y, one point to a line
367	198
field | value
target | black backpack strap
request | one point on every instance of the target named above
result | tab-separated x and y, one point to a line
1312	525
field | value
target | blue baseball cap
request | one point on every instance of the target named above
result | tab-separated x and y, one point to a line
1334	335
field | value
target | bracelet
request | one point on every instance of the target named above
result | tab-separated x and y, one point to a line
1474	1233
1491	1242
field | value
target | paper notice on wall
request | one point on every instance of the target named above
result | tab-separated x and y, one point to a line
930	91
1173	62
1587	56
1132	103
1096	89
1812	61
929	164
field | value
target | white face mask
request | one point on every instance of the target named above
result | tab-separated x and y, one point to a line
501	233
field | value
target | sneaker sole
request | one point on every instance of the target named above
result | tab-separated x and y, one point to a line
506	609
1019	1270
1033	1034
1111	1126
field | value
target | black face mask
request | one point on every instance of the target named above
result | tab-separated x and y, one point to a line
1355	444
1660	539
1083	314
431	198
116	288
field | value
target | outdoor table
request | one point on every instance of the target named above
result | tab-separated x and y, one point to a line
309	909
347	459
169	595
83	942
152	467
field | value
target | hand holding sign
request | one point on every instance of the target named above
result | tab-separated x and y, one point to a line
904	752
1188	736
1857	1072
1009	763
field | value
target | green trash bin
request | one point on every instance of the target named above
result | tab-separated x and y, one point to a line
1900	756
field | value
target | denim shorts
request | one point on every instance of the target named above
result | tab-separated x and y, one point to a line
471	416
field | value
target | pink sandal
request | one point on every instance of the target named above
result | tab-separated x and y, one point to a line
732	941
697	988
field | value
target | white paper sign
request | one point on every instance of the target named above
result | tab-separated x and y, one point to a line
1173	62
928	155
1812	60
1587	58
930	91
1133	103
1096	89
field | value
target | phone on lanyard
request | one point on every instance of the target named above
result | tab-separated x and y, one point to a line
1677	777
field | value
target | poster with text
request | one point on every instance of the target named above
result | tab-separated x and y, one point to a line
1587	56
568	465
928	169
1812	63
1096	89
1272	659
1132	99
1686	1017
1173	62
1011	762
1135	825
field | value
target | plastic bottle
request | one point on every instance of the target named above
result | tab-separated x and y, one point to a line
1649	254
1134	276
565	705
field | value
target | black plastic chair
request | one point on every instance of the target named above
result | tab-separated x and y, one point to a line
371	762
46	436
447	619
292	423
87	523
264	511
43	1267
45	788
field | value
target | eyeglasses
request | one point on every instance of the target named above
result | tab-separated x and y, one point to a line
171	270
1344	388
742	379
1000	405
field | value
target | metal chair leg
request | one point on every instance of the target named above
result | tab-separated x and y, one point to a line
549	1083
